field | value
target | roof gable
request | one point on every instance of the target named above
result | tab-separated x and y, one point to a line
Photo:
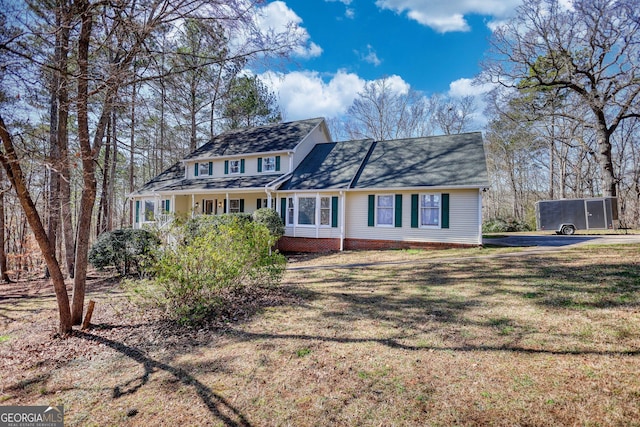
262	139
329	165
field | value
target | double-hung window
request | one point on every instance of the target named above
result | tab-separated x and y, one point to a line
234	166
203	169
269	164
325	211
430	210
384	210
290	211
234	206
306	211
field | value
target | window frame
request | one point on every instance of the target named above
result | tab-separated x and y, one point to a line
312	217
328	209
231	208
291	215
231	167
271	160
392	208
203	169
421	208
146	211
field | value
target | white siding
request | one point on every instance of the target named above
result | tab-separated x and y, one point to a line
250	166
463	219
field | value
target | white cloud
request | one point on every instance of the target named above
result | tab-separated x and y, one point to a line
370	56
277	18
465	87
305	94
448	15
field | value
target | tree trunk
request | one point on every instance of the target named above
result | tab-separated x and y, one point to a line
603	137
11	164
132	151
63	143
4	276
101	225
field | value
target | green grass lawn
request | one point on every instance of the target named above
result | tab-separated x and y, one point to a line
465	337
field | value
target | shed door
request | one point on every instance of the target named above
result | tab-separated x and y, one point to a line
595	214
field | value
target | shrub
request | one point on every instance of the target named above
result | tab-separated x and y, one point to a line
123	249
197	226
189	277
499	225
270	219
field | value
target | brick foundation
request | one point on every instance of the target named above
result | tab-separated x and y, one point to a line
368	244
305	244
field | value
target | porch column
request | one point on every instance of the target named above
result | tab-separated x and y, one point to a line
193	205
172	208
227	199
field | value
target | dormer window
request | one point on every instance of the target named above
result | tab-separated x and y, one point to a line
234	166
203	169
269	164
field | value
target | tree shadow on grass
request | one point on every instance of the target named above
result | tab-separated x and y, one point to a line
217	405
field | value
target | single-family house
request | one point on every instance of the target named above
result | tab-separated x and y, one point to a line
362	194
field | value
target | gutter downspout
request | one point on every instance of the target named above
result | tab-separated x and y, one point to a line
343	204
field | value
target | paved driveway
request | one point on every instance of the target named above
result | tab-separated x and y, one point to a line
555	241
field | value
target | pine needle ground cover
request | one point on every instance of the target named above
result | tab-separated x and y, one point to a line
472	337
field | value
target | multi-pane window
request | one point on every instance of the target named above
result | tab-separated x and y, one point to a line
234	206
430	210
307	211
384	210
234	166
203	169
325	210
269	164
290	211
149	210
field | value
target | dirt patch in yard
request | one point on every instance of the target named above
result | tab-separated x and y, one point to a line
398	338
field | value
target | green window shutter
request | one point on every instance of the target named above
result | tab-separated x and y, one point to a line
168	205
259	205
210	168
226	167
334	211
137	210
241	165
445	211
195	169
398	219
259	164
283	210
372	210
241	205
224	207
414	211
277	163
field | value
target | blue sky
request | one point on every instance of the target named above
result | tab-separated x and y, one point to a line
433	46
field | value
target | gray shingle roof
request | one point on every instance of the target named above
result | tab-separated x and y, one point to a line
329	165
226	183
436	161
172	174
262	139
